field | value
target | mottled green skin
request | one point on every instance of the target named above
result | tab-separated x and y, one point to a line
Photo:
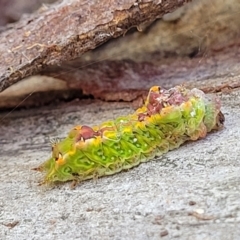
125	142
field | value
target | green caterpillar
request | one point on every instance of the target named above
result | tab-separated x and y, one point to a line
167	119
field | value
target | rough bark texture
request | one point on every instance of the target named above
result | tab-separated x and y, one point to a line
195	43
67	29
12	10
191	30
127	80
113	80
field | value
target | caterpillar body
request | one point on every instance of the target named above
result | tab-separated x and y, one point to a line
166	120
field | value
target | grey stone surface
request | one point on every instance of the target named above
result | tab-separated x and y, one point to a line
190	193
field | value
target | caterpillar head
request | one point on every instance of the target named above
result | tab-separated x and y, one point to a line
56	166
59	169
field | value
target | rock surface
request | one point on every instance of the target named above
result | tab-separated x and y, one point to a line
190	193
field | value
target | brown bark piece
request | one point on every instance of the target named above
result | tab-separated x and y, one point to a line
67	29
126	80
115	80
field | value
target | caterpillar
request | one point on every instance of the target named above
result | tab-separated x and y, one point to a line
166	120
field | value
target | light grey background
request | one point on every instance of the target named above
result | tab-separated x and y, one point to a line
138	204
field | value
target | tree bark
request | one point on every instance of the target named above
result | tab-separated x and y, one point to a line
67	29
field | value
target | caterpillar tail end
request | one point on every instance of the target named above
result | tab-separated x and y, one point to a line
38	169
220	119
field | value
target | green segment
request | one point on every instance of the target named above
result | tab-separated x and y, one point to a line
129	140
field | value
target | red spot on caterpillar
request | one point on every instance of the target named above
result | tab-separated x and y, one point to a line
154	108
86	132
141	117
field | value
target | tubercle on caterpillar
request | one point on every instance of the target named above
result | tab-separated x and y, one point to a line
166	120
